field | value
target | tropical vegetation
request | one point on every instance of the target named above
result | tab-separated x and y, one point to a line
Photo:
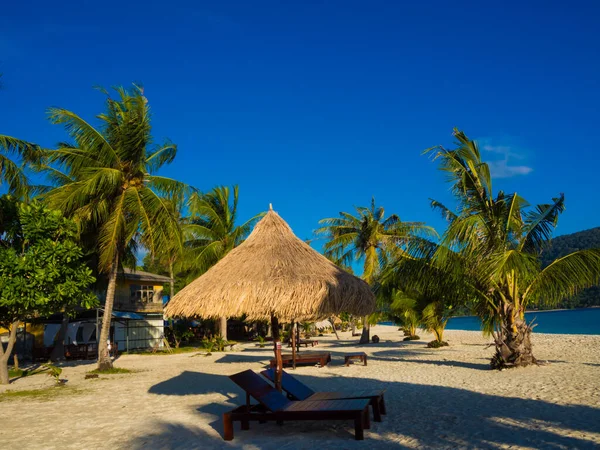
106	201
108	183
41	268
563	245
368	237
490	254
209	231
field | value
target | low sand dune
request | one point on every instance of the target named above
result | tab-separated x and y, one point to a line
436	398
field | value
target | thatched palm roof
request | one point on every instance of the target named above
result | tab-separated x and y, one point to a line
273	273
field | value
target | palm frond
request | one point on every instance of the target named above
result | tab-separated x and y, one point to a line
564	277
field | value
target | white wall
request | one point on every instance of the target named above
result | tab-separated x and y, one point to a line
142	334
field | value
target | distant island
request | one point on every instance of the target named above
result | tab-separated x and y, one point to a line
563	245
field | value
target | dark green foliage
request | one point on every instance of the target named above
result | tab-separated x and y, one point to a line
563	245
414	337
41	268
40	263
437	344
179	331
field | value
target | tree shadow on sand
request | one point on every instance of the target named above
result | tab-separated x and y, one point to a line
431	416
175	436
444	362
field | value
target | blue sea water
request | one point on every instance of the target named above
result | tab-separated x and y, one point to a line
568	321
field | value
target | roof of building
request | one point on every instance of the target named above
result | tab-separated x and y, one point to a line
140	275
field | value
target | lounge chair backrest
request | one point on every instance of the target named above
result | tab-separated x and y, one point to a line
262	391
291	385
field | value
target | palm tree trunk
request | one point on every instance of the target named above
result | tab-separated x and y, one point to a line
104	361
5	355
333	326
513	342
223	327
172	282
365	337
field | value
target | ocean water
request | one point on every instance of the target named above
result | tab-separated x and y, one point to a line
568	321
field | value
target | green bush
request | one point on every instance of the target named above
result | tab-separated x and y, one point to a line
414	337
437	344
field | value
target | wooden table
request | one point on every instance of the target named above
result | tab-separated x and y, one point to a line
362	356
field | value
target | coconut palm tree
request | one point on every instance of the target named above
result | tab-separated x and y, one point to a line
491	249
108	184
13	174
211	231
370	238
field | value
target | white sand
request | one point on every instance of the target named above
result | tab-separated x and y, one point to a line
436	398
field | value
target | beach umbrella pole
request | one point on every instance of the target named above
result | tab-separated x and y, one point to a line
293	330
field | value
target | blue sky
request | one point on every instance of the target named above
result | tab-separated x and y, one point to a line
316	106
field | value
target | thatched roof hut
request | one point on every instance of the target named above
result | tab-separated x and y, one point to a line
273	273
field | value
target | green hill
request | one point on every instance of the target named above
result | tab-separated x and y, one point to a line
563	245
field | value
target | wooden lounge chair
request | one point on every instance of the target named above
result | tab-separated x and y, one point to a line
297	390
275	406
304	342
305	357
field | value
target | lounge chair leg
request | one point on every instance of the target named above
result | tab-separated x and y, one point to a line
227	427
359	433
245	424
366	419
382	406
376	410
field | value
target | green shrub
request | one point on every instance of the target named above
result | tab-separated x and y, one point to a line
414	337
437	344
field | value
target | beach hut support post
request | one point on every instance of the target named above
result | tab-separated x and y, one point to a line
293	332
297	338
277	350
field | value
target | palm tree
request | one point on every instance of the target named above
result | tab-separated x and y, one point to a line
369	238
11	173
491	249
211	231
109	185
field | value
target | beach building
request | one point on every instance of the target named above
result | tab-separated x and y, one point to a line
138	321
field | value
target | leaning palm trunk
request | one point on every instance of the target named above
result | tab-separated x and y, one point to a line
512	339
5	355
104	361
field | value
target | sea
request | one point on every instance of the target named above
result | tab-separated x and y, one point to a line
564	321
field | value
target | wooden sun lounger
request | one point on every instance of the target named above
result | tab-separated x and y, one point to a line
304	342
297	390
275	406
304	358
